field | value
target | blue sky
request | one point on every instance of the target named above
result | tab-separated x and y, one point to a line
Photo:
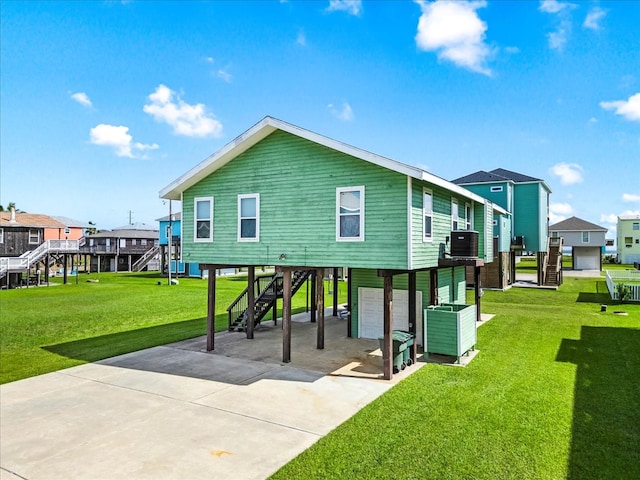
103	103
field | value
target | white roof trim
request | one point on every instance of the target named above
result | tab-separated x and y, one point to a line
269	125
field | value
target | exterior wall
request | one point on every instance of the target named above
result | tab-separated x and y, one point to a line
75	233
628	252
175	231
297	181
369	278
425	254
574	239
15	241
530	215
502	198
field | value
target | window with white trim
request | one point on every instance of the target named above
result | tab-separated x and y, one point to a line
635	226
123	243
1	235
496	189
203	219
34	236
585	237
427	215
468	217
249	217
454	214
350	214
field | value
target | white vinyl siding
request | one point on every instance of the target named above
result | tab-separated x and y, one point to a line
427	215
350	214
203	225
249	217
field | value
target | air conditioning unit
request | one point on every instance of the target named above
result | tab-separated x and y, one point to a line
518	243
464	243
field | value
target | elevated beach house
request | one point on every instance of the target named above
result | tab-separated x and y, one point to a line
586	240
286	197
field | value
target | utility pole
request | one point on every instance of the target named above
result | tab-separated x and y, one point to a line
170	240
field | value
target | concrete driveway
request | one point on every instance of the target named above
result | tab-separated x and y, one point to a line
178	412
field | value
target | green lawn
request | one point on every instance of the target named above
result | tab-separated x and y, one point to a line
553	394
49	328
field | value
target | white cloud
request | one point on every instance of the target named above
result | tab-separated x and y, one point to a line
559	212
629	109
592	20
82	98
558	38
569	173
610	218
630	197
454	30
188	120
352	7
224	75
301	39
119	139
345	113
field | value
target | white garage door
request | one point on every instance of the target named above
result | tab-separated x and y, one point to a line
371	315
588	260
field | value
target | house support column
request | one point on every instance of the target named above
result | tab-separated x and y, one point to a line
433	286
349	306
335	292
478	291
46	269
540	261
211	307
320	308
251	291
286	316
314	299
387	357
129	261
412	314
66	261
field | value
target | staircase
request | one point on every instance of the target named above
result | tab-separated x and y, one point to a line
553	262
266	292
146	259
27	259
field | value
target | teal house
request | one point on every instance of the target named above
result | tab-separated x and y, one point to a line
283	196
525	227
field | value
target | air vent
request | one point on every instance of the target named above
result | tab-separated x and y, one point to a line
464	243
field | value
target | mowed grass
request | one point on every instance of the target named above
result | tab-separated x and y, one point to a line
49	328
553	394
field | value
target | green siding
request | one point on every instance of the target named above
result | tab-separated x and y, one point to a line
297	181
370	279
442	330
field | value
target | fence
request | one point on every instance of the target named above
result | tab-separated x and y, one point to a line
631	278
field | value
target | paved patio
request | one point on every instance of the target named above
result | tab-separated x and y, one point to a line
179	412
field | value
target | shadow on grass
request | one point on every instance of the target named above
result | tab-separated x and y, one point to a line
105	346
606	413
601	296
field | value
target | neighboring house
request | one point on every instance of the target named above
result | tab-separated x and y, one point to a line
124	249
171	254
72	230
28	241
586	239
284	196
526	199
628	239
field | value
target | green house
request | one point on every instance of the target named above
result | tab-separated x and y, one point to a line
526	225
283	196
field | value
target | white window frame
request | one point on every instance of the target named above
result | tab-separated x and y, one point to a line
583	237
122	243
196	219
468	216
34	239
496	189
455	219
241	197
1	235
339	190
143	241
427	213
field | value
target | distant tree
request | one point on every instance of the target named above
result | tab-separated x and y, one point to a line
8	209
92	229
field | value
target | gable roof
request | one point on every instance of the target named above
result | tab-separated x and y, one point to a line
34	220
575	224
125	233
498	175
267	126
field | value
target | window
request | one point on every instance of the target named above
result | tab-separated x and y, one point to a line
454	214
496	189
555	235
123	243
34	236
468	217
585	237
143	241
350	214
427	214
628	240
134	241
1	235
203	219
635	226
249	218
